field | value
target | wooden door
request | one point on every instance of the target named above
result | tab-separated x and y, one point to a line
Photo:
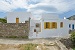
17	20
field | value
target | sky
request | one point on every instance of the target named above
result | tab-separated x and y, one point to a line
64	8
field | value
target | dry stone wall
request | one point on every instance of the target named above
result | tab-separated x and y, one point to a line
14	30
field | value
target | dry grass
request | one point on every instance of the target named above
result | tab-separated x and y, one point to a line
18	47
28	47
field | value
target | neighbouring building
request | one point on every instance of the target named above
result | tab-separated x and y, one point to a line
18	17
49	25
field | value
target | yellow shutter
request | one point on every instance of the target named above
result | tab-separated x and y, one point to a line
44	25
17	20
49	25
52	25
55	25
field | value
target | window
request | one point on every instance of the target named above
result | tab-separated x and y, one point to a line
69	25
61	24
34	30
72	26
37	25
46	25
54	25
17	20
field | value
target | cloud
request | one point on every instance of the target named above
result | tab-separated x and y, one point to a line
9	5
33	1
41	8
53	6
38	6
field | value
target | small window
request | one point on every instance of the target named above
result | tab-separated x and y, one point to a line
69	25
37	25
54	25
72	26
46	25
61	24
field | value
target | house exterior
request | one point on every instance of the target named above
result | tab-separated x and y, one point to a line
18	17
50	25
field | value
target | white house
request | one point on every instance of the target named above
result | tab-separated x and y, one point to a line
50	25
18	17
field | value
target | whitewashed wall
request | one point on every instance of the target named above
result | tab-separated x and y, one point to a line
23	16
59	32
47	33
71	22
33	34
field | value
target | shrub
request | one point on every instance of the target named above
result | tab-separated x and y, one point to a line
11	37
26	37
23	37
3	20
73	48
73	38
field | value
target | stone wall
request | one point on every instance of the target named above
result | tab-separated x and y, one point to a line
14	30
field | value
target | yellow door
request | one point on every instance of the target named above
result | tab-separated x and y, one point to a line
17	20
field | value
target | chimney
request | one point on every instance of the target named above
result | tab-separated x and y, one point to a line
64	17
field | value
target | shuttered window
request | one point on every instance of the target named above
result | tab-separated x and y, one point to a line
46	25
50	25
53	25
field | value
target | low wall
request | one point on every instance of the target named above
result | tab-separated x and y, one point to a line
14	30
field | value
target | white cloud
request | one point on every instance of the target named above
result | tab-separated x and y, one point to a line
9	5
56	6
38	6
4	6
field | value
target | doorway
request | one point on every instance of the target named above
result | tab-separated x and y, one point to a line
17	20
72	26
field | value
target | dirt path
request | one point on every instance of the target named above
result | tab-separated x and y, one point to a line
11	44
24	41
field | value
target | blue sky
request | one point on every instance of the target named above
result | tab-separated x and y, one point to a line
61	7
